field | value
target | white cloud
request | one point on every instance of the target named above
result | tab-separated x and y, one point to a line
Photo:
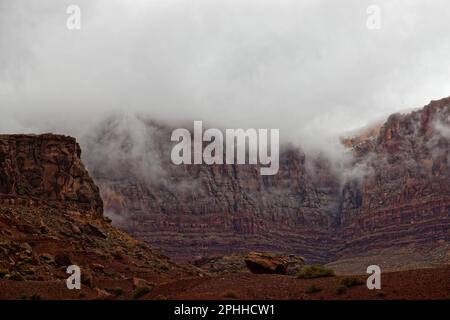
310	68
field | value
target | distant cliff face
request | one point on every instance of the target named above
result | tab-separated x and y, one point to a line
405	197
46	168
199	210
204	210
401	195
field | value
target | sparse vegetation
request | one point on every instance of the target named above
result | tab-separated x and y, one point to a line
341	290
351	282
117	291
313	289
3	273
35	296
140	291
164	267
381	294
314	271
16	277
231	294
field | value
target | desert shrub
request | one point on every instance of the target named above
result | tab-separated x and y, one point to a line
381	294
117	291
3	273
160	297
313	289
16	277
351	282
140	291
341	290
314	271
164	267
231	294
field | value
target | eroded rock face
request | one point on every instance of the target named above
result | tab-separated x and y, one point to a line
405	197
51	217
198	211
46	168
401	194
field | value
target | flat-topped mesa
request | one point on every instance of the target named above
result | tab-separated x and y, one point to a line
46	168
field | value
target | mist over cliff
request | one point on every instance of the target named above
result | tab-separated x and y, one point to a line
138	69
310	68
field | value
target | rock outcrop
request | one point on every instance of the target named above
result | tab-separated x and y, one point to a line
46	168
273	263
261	263
51	216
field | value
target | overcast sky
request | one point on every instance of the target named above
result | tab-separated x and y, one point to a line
308	67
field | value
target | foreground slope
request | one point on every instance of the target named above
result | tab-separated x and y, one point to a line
51	216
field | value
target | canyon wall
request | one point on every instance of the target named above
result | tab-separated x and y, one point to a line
400	196
405	196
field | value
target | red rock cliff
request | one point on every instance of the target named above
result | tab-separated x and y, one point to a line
405	196
400	196
46	168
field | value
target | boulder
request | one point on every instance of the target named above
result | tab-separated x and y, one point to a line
260	263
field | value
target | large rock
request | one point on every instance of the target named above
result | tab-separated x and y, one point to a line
222	264
237	262
260	263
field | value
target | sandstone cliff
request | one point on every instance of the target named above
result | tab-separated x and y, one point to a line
399	197
405	196
46	168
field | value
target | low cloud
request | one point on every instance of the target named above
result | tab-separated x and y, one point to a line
310	68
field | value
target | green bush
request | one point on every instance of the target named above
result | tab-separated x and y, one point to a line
16	277
140	291
351	282
117	291
313	289
314	271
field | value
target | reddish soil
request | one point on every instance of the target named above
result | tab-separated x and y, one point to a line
426	284
415	284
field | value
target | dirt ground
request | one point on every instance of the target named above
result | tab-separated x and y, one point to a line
416	284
